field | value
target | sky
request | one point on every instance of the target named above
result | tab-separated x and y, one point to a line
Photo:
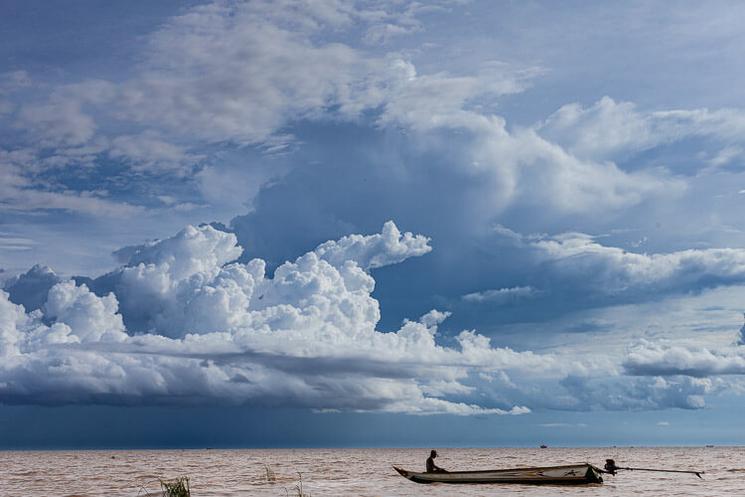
340	223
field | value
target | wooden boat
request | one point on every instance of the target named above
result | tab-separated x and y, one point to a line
573	474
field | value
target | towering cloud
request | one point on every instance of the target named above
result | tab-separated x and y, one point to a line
30	289
304	121
306	336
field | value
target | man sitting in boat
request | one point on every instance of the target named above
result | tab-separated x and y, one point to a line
431	467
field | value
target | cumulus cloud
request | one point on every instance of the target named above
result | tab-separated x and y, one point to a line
31	288
182	322
608	130
642	394
669	358
620	269
93	318
374	251
665	359
194	306
514	167
200	326
13	320
161	288
608	270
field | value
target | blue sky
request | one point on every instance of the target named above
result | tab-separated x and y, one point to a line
456	214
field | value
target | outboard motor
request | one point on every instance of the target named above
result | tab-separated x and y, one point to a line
610	466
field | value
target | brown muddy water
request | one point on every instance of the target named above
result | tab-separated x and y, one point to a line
357	472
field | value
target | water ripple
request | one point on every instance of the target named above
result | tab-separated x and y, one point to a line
359	472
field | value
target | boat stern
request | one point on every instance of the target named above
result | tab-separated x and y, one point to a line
593	474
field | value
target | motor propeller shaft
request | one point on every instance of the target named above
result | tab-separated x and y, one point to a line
610	467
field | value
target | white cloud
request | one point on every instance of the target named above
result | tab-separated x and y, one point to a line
305	337
61	120
147	152
374	251
19	192
655	358
201	328
191	251
12	317
31	288
601	130
91	318
522	168
608	129
501	295
235	73
640	394
726	156
243	73
613	270
9	241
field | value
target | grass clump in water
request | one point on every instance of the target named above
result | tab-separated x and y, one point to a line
270	476
176	488
298	490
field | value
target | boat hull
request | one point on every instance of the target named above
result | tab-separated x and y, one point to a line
575	474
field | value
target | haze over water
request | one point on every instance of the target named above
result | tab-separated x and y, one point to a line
363	472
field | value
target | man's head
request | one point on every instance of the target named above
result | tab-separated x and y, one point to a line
433	454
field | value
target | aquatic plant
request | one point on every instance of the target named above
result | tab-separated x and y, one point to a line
299	486
270	476
178	487
298	490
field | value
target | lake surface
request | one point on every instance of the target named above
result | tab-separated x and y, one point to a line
357	472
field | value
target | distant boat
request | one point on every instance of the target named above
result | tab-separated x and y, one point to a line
709	446
544	446
573	474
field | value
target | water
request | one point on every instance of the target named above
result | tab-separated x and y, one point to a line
357	472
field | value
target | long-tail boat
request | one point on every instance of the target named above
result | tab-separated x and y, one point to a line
570	474
573	474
